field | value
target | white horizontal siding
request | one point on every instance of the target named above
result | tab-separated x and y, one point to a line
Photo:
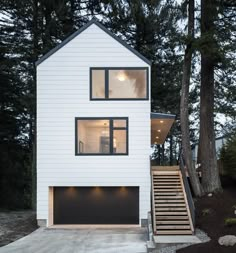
62	95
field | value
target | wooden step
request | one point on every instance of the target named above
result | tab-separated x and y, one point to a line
171	213
172	192
161	172
157	186
166	176
158	193
169	205
165	201
167	190
168	184
168	222
174	232
166	168
171	209
179	227
169	175
168	194
166	217
166	181
169	197
159	175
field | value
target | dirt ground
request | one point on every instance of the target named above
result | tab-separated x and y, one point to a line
16	224
210	215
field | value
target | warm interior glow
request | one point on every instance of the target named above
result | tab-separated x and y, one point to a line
160	128
97	191
157	137
123	190
114	143
127	83
105	132
121	76
70	191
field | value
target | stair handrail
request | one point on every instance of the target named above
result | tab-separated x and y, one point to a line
152	200
187	190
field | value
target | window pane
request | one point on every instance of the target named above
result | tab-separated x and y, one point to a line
93	136
127	84
98	83
119	123
119	141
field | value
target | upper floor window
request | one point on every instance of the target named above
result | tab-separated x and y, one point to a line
119	83
101	136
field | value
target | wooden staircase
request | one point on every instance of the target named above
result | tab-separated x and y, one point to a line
171	214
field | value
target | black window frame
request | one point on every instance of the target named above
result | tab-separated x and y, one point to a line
106	69
111	129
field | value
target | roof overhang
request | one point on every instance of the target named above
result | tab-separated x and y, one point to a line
161	124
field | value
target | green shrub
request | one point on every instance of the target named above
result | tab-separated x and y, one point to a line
206	211
230	222
228	156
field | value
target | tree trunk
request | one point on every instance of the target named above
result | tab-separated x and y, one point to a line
163	154
210	174
159	155
32	132
184	115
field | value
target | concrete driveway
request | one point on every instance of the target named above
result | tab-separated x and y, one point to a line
91	240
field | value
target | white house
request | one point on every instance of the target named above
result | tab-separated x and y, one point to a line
94	131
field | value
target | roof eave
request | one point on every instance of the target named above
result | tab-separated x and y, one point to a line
155	115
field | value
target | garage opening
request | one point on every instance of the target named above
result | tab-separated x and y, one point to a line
96	205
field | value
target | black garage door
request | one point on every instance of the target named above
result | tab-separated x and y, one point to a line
96	205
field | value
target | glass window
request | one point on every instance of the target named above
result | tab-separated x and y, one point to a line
116	83
127	84
98	84
119	123
93	136
97	136
119	141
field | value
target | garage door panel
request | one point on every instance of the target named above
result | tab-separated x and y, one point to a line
96	205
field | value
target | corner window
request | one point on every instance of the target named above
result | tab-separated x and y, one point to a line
119	83
101	136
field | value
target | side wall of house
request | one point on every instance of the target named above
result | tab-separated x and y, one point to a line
62	95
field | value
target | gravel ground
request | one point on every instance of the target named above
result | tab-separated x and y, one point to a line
16	224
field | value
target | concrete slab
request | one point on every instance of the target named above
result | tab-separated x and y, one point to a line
176	239
92	240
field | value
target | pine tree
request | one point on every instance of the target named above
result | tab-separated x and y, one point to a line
184	104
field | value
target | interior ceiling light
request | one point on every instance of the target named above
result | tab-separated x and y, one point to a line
161	121
121	76
157	137
159	130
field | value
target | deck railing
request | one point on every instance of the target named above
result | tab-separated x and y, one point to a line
187	190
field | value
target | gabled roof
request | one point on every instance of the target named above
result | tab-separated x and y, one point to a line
91	22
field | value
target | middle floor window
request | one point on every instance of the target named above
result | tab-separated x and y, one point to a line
119	83
104	136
